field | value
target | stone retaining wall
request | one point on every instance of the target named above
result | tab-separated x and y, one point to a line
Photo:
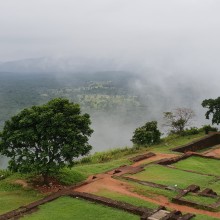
206	142
113	203
182	201
142	157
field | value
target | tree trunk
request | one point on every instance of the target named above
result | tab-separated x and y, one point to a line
45	179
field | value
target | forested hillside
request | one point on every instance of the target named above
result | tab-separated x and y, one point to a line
95	92
118	101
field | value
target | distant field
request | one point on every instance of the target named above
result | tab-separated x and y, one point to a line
67	208
200	164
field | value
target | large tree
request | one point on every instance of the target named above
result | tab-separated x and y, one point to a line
147	134
45	138
213	106
178	119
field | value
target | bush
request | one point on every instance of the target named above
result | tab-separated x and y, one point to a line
147	134
4	174
87	159
190	131
208	128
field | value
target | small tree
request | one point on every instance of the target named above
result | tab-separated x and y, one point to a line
179	119
213	106
147	134
43	139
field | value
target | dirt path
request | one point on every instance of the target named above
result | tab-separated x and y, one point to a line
106	182
214	153
154	158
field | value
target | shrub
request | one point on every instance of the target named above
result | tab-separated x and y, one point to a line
147	134
190	131
207	128
4	174
87	159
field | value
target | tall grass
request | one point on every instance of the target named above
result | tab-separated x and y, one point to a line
112	154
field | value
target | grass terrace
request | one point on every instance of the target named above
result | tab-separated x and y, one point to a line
171	177
66	208
200	164
124	198
200	199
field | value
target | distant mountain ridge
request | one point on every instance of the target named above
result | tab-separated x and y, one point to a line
57	64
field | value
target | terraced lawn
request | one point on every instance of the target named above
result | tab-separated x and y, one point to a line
200	199
66	208
215	186
15	199
200	164
171	177
125	198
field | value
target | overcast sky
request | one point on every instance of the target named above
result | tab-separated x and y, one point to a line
165	32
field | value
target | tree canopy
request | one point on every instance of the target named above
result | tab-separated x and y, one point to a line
178	119
147	134
45	138
213	106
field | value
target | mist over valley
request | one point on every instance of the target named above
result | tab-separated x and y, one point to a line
125	63
117	100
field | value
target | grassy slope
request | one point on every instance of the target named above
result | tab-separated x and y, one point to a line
95	164
15	199
70	208
174	141
13	196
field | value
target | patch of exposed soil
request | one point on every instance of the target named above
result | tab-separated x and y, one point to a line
104	182
213	153
23	183
53	186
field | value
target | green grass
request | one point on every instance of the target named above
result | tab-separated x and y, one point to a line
200	164
215	186
12	195
204	217
90	169
171	177
149	191
129	199
66	208
200	199
172	141
164	146
70	176
109	155
15	199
